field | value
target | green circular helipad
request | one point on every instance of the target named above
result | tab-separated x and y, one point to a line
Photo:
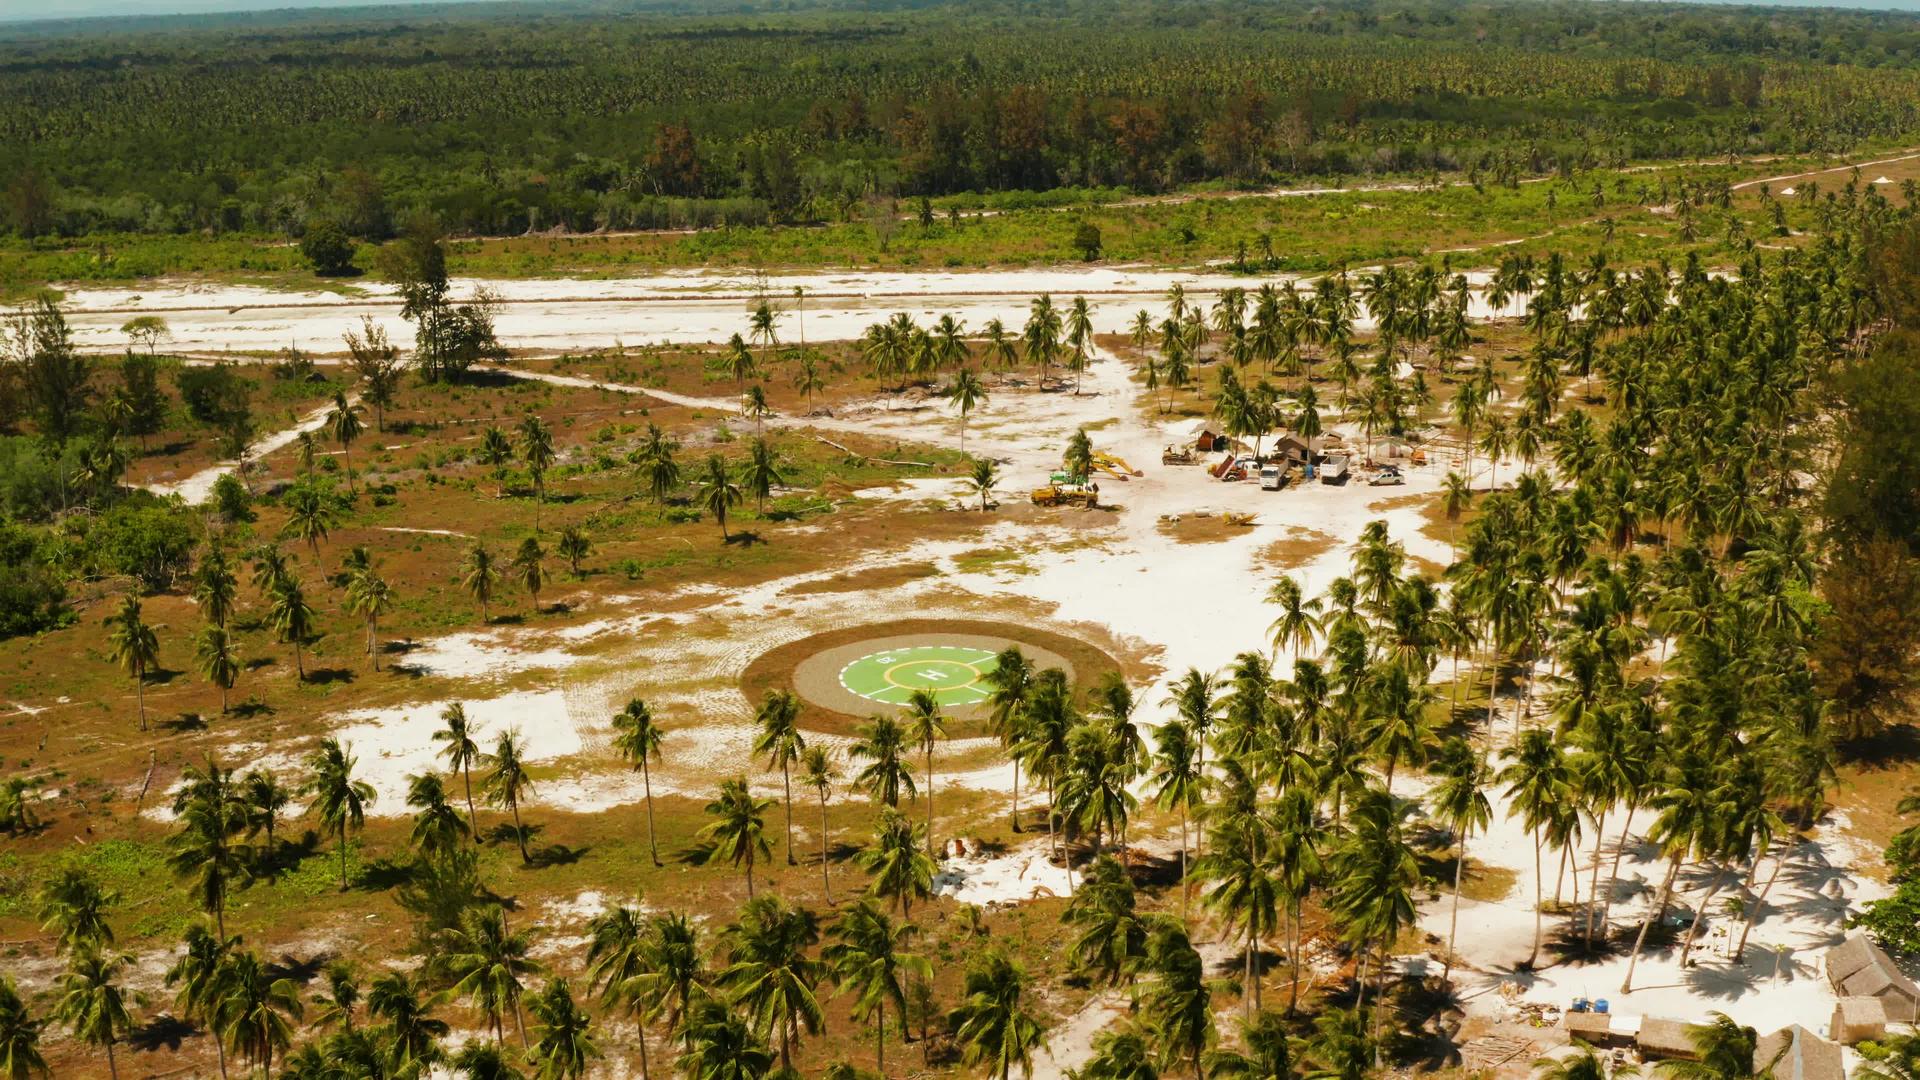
955	674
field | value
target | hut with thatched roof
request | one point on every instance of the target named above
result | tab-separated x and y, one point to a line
1858	968
1662	1037
1794	1053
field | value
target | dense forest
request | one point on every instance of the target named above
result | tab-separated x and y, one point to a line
500	119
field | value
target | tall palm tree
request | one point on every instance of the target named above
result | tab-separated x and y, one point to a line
883	742
339	799
1112	935
529	565
1459	802
992	1023
219	659
770	973
1241	886
722	1046
1179	781
437	828
926	725
536	449
637	739
782	743
215	588
1178	998
495	452
294	622
507	783
869	959
1293	844
74	906
1011	679
1539	785
92	1002
900	869
310	516
821	772
484	1061
20	1056
344	424
1689	810
1581	1064
657	465
206	848
616	961
1299	621
134	646
488	964
199	972
1266	1052
739	827
369	596
480	576
675	977
965	393
460	753
563	1042
718	493
405	1011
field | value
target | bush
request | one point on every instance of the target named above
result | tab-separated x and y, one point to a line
32	597
231	499
213	395
1086	240
30	477
328	247
145	538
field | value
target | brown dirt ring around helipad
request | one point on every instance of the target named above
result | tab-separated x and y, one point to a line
811	666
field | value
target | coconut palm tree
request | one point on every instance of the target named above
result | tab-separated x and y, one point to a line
1011	679
563	1043
637	739
1121	1054
536	449
1299	621
984	477
1178	997
411	1030
1539	785
992	1023
657	465
965	394
437	828
1689	808
1111	941
495	452
1179	781
718	493
574	546
1374	875
219	659
926	725
1240	886
901	871
294	622
484	1061
92	1002
1077	459
770	974
869	959
1292	845
722	1046
738	829
821	772
1581	1064
883	742
339	799
1266	1052
674	977
198	973
74	906
480	576
206	847
488	964
460	752
134	646
215	588
20	1056
309	516
616	958
1041	336
529	565
369	596
782	743
1459	802
762	474
507	783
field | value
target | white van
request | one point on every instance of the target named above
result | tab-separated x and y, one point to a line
1271	478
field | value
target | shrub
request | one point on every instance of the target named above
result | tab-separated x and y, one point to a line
328	247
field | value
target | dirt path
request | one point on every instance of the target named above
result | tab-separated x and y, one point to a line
1905	156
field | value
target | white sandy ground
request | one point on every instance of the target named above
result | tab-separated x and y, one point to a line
1186	605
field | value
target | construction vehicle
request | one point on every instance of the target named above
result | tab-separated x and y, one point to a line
1233	518
1334	469
1115	466
1272	477
1066	495
1182	456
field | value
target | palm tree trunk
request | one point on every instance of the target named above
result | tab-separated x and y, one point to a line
1753	916
640	1035
1659	912
930	796
1453	920
1293	955
1593	886
1700	916
1016	778
1186	887
1539	899
520	833
880	1041
786	781
646	780
749	871
1247	993
826	895
113	1069
1613	875
473	823
342	845
140	695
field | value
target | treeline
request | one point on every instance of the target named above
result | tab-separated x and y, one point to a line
498	121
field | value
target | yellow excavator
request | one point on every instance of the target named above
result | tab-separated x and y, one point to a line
1115	466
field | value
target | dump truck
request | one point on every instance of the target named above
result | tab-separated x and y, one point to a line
1065	495
1334	469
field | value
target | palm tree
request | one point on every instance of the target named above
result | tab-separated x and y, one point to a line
369	596
821	772
675	977
488	963
480	576
460	752
1242	889
1012	680
344	424
1294	831
496	450
1178	998
1540	786
507	783
1459	802
637	740
1689	809
868	959
925	725
882	740
965	394
198	972
20	1036
1374	875
1178	781
339	799
574	545
1723	1050
739	827
1077	459
780	740
412	1032
617	965
718	493
309	516
1581	1064
657	464
1299	621
762	474
437	828
563	1040
1042	335
219	659
294	622
529	565
536	449
205	847
739	363
215	588
134	647
900	869
721	1046
984	477
340	998
770	974
484	1061
810	376
992	1022
1266	1052
74	906
92	1002
1112	938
